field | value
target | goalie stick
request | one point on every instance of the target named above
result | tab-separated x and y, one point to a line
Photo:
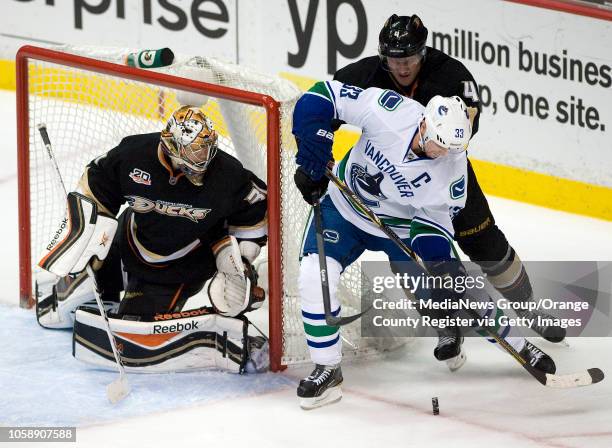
583	378
120	388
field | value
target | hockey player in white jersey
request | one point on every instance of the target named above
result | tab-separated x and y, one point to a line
409	166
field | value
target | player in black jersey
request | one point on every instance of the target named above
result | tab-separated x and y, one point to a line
188	204
194	213
405	64
186	198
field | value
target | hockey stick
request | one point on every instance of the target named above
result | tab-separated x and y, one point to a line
42	129
330	319
120	388
584	378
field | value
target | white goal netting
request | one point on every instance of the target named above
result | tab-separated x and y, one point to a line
87	113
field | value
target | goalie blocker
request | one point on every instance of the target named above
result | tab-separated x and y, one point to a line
187	340
82	235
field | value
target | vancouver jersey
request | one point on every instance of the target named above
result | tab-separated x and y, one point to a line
170	230
413	195
440	74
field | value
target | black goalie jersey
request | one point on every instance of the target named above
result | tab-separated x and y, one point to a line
170	229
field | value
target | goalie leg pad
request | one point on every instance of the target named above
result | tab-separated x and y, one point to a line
168	344
58	301
259	355
58	298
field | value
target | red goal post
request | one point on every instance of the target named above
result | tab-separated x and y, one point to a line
90	100
271	107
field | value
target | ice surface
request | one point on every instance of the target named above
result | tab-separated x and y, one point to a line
491	401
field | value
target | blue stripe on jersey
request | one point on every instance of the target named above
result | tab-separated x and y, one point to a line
311	113
433	224
432	247
331	92
323	344
315	316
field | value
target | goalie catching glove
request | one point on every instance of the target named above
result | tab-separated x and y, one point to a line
233	289
83	234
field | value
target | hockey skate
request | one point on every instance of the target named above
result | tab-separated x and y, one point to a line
537	358
321	387
259	355
551	333
450	349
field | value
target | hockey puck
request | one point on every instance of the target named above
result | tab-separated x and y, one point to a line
434	405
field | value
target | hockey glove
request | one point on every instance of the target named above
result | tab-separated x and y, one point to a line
233	289
314	150
249	250
308	187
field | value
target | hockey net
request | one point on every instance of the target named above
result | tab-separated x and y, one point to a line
90	100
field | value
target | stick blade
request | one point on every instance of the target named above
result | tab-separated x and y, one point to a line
580	379
597	375
334	321
118	389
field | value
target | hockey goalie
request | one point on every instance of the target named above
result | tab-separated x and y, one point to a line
159	217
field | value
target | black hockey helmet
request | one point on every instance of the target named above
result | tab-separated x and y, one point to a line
402	36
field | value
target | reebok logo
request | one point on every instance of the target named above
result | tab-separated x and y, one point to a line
58	234
189	313
140	177
175	328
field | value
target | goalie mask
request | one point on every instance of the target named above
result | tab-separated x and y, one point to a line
190	141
